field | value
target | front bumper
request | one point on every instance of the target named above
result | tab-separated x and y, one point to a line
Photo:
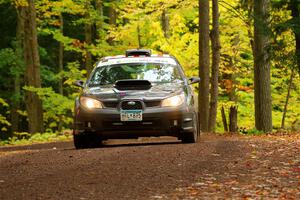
156	122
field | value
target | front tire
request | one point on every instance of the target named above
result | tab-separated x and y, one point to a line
192	136
86	140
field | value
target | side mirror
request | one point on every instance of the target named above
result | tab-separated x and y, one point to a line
194	80
79	83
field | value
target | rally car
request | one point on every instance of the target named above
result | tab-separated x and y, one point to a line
138	94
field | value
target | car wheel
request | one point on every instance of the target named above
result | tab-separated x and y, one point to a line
86	140
193	136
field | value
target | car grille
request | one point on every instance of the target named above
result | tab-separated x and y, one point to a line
114	104
131	105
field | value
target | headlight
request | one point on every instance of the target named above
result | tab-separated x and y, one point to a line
173	101
90	103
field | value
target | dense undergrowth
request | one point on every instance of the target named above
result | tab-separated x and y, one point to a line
25	138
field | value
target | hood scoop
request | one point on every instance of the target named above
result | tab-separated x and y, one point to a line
132	84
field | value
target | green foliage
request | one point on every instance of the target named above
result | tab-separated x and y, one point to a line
57	107
72	74
24	138
251	131
4	123
10	59
182	41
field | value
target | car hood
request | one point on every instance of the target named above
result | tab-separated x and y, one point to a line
156	92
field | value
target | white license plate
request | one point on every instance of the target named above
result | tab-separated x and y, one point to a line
131	115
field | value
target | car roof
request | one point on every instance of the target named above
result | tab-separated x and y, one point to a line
122	59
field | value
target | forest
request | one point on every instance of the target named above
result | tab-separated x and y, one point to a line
246	52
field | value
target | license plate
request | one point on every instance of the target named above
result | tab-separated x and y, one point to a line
131	115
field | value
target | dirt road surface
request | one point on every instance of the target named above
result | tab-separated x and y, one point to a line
218	167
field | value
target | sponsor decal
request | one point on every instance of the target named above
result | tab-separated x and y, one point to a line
138	60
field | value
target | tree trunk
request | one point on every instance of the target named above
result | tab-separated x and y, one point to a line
233	119
287	99
224	119
99	23
262	87
16	105
249	9
61	55
297	38
88	30
61	67
204	64
32	73
215	41
17	81
112	14
165	23
139	37
294	6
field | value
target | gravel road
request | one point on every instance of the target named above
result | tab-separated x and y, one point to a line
218	167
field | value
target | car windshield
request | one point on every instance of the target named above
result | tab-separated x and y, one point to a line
152	72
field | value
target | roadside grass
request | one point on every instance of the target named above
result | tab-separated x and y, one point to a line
25	138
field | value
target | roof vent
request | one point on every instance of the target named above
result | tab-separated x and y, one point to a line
132	84
138	52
